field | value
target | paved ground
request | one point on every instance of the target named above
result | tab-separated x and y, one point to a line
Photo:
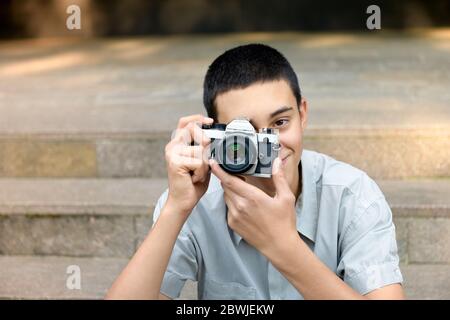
145	84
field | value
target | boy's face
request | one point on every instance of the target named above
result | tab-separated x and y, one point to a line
269	104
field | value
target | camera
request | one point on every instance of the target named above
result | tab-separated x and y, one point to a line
239	149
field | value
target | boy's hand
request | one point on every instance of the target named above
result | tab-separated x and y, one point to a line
187	166
263	221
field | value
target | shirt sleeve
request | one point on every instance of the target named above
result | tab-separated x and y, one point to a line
369	257
183	261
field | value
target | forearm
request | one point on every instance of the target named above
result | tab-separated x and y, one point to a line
310	276
142	277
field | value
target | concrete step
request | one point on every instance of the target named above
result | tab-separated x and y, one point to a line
25	277
76	217
110	217
384	153
32	277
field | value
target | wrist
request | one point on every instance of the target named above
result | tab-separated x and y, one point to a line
172	207
283	247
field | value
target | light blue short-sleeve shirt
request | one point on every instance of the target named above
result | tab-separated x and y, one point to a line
341	215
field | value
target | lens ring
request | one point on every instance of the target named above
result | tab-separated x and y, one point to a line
246	149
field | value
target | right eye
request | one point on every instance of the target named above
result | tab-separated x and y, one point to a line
281	122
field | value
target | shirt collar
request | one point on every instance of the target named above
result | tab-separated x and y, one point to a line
306	204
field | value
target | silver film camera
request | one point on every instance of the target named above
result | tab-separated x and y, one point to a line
239	149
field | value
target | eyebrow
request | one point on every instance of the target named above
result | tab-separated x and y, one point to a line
280	110
275	113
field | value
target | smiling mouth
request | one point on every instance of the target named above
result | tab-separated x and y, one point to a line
283	161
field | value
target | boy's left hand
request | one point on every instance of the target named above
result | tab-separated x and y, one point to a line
263	221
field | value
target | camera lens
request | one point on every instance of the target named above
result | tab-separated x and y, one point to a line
235	153
238	154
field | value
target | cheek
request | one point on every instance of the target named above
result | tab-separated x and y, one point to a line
292	141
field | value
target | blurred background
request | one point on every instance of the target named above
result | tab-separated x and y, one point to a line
39	18
85	115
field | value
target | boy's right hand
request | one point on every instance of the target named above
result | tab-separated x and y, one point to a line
187	166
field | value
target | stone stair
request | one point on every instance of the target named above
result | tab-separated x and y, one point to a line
24	277
384	153
84	122
47	225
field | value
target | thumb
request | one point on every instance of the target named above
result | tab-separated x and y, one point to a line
217	170
279	178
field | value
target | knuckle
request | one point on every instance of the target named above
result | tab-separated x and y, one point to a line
226	182
168	152
240	206
170	164
254	202
289	198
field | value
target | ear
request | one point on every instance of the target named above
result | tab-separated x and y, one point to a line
303	110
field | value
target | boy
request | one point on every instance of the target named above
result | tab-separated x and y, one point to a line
317	229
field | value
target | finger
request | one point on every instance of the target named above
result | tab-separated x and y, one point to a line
279	178
188	163
230	207
235	213
197	134
192	118
230	204
199	169
201	174
203	143
191	133
233	198
181	136
233	183
191	151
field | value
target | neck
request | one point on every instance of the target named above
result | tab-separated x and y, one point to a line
297	184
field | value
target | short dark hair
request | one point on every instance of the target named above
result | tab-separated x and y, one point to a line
243	66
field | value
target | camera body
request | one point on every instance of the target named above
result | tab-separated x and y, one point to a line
239	149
